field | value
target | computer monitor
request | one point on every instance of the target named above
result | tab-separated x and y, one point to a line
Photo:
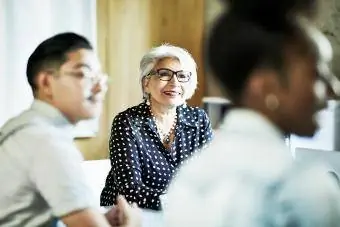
216	108
330	158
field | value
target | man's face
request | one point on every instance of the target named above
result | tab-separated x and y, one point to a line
79	87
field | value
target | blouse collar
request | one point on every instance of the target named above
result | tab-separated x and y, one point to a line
249	122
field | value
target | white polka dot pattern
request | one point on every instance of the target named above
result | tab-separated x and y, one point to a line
141	166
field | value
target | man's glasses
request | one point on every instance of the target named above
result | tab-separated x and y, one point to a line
167	75
87	77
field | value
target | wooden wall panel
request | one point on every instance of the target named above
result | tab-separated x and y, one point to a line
126	30
181	22
96	148
212	9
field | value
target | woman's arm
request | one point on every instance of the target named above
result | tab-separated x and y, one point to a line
126	167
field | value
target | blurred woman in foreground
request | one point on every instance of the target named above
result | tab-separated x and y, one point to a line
273	64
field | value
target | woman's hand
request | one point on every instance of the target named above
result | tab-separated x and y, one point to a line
124	214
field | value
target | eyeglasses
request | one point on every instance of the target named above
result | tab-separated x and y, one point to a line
87	77
167	75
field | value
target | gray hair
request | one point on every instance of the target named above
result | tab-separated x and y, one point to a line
150	60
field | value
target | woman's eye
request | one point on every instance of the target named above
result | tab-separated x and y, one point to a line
164	74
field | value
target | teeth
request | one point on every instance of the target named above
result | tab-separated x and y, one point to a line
171	92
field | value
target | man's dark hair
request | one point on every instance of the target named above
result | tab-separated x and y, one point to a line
252	35
52	53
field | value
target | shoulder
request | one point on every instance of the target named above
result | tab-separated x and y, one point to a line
312	194
131	118
133	113
317	177
31	127
194	116
195	112
41	142
47	140
303	194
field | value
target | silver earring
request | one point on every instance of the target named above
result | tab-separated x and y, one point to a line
147	98
272	103
320	91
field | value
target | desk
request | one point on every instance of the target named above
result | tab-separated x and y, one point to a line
152	219
96	172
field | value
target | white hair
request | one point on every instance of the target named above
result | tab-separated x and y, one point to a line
150	60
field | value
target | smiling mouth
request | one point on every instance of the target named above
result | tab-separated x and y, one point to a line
172	93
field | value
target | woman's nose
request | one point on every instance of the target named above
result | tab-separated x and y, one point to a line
174	79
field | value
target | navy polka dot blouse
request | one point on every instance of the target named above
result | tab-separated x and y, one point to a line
141	166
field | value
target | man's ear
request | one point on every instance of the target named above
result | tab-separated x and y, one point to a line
44	83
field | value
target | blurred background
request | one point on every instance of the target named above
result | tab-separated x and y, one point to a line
122	31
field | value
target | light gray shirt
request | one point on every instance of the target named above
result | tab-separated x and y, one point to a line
247	177
40	169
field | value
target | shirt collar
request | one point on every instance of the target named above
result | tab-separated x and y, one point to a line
249	122
184	116
51	113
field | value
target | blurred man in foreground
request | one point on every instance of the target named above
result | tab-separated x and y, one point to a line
41	174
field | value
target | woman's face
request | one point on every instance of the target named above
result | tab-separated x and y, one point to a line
167	83
304	96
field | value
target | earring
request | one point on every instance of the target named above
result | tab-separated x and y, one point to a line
272	103
320	91
147	98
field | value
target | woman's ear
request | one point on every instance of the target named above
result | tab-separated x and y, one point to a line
264	82
145	82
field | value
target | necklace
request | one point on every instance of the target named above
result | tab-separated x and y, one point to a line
164	136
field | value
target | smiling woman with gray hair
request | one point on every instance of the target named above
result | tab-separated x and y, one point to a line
181	56
150	141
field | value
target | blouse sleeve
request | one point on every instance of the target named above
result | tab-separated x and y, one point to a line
126	165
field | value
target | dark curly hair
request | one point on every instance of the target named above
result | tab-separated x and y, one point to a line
253	34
